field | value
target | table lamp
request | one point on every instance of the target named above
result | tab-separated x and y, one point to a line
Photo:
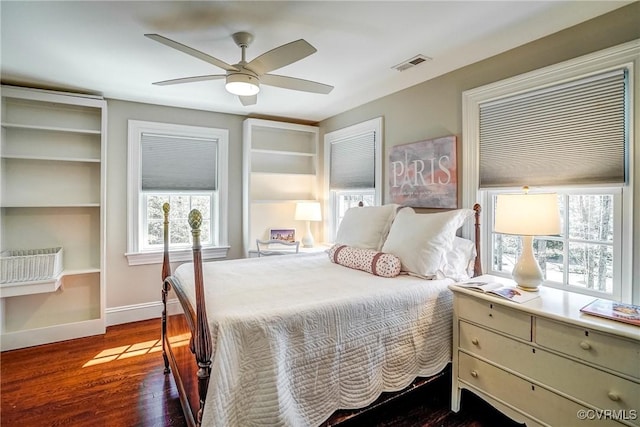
308	211
527	215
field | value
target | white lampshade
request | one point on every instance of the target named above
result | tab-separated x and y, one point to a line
242	84
308	211
527	215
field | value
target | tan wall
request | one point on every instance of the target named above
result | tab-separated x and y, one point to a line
433	108
131	285
430	109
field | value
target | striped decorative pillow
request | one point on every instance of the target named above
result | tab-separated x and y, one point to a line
374	262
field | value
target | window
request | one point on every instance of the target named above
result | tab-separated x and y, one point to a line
567	128
353	170
344	200
179	229
185	166
583	257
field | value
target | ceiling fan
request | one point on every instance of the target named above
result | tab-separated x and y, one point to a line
244	78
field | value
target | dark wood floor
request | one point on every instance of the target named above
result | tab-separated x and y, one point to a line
117	379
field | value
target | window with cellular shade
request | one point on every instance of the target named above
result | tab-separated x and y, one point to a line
174	163
353	162
573	133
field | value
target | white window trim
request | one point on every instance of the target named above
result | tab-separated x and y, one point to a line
357	129
627	55
616	192
134	188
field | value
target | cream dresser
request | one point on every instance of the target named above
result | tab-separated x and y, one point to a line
544	362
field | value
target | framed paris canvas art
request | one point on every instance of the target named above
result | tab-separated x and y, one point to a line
424	174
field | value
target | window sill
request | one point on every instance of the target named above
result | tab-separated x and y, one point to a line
141	258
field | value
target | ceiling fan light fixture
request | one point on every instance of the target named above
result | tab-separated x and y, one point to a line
242	84
243	79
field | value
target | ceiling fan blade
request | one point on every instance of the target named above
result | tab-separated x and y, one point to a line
281	56
248	100
191	51
295	84
190	79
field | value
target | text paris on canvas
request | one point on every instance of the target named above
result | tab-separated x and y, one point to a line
424	174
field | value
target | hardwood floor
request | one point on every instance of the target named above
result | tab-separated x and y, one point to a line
117	379
114	379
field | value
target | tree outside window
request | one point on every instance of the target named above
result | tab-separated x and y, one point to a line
581	257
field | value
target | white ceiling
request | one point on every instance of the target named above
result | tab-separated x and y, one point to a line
99	47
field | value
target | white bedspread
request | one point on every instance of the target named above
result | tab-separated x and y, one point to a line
298	337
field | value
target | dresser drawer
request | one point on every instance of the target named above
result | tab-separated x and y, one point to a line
587	384
495	316
492	346
618	354
534	401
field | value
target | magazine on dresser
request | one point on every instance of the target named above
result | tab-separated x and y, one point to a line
499	290
627	313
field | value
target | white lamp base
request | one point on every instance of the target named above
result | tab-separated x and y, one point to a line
307	240
527	272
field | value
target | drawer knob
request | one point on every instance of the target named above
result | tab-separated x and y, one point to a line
585	345
475	341
613	396
474	374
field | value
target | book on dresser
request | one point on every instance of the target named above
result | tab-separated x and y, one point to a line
614	310
498	289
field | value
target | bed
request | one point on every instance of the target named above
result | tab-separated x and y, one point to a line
289	340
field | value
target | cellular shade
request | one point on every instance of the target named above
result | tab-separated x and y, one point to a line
353	162
567	134
173	163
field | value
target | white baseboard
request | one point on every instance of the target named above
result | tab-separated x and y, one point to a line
49	334
68	331
138	312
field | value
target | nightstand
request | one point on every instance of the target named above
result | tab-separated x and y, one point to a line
318	247
544	362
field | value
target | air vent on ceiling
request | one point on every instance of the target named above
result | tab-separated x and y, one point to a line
409	63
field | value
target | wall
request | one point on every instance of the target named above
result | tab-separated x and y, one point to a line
427	110
133	292
433	108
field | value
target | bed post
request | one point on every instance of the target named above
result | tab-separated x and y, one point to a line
202	341
477	266
166	272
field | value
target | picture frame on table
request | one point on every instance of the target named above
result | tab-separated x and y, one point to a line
284	234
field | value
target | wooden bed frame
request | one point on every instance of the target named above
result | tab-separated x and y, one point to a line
187	334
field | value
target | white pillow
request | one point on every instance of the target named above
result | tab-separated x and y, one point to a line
366	227
459	260
421	241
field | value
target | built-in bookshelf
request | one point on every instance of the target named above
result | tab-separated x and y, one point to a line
53	195
280	168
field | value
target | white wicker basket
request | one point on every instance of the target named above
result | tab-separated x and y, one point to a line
28	265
